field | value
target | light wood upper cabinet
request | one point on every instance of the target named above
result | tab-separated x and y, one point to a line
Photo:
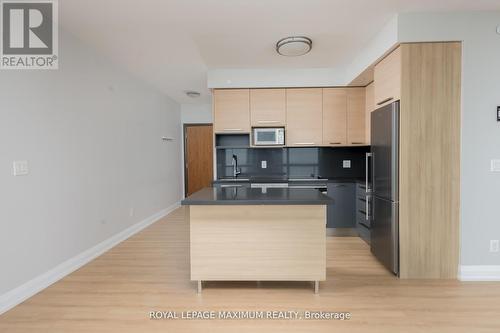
334	116
268	107
232	111
369	108
304	117
356	114
387	77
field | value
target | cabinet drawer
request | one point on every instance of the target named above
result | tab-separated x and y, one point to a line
360	190
364	233
361	218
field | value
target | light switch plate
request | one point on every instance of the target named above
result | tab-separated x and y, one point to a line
495	165
346	164
263	164
20	168
494	245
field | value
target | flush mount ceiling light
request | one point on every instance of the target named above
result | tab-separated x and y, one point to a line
192	94
294	46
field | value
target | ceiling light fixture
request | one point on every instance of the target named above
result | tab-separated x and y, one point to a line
294	46
192	94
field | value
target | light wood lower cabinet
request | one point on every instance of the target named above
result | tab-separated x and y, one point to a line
231	110
304	117
268	107
356	114
334	116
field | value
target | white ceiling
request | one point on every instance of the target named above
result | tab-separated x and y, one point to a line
171	44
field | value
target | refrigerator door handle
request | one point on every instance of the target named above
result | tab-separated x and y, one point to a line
367	208
372	189
367	167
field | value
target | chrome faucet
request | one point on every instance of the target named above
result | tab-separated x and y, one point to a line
234	163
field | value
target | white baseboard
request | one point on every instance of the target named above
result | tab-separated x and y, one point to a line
14	297
479	273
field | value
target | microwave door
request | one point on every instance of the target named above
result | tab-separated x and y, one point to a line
265	137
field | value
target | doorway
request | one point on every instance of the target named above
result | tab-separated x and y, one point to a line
198	157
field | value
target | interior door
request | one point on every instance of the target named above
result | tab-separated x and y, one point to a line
198	157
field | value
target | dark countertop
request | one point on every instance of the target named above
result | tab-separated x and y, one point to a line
253	179
255	196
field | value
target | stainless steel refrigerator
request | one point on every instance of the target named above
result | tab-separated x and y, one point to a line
385	185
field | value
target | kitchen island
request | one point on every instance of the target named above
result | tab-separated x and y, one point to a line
252	234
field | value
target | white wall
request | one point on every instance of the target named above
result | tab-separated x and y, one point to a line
480	130
196	113
381	44
308	77
267	78
92	136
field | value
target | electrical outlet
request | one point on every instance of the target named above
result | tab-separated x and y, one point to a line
346	164
495	165
20	168
131	212
494	245
263	164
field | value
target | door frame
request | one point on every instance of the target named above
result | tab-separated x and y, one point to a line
184	160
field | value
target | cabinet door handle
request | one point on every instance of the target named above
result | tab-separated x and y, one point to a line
268	121
385	100
304	143
357	143
335	143
232	129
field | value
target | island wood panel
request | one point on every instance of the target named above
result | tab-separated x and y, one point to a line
334	116
268	107
263	243
430	160
356	114
231	110
387	76
304	116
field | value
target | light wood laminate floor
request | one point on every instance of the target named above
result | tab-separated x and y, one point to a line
150	271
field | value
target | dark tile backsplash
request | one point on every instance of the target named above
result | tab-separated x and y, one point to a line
293	162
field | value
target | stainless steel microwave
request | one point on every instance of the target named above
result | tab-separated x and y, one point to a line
268	136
